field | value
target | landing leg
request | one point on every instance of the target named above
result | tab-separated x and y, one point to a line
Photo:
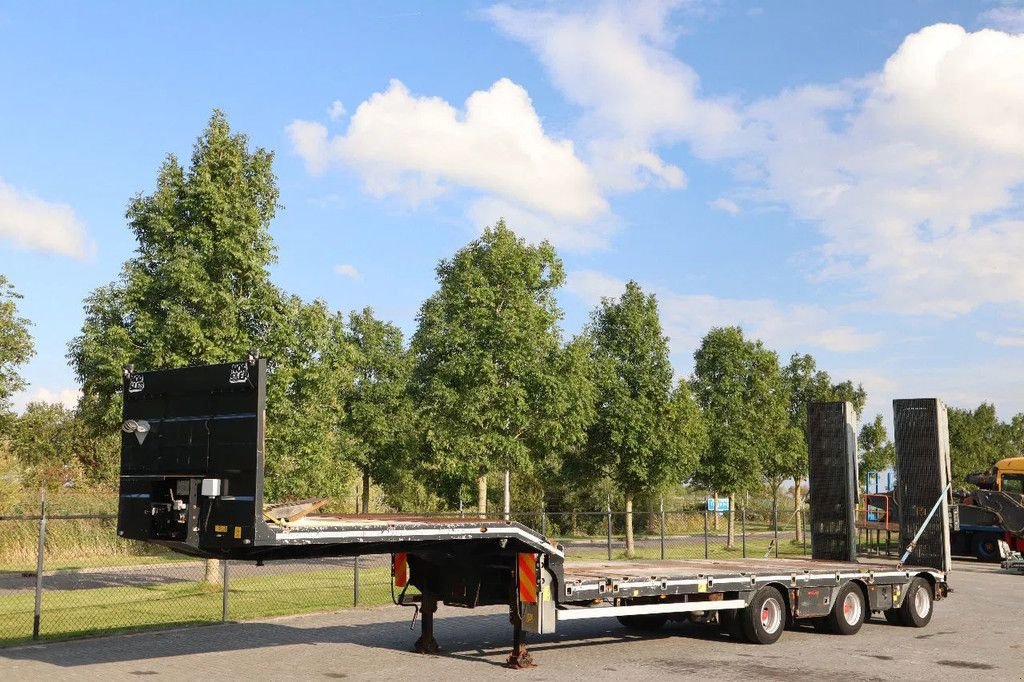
426	644
519	658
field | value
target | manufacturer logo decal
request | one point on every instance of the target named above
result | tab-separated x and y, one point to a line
136	383
239	373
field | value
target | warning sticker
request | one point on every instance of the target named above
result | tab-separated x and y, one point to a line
238	532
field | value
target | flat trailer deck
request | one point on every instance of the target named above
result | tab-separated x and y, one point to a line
192	464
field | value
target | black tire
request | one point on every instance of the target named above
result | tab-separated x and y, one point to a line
764	619
986	547
916	609
848	611
729	621
892	616
647	621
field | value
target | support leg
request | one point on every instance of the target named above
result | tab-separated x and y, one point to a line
426	644
519	658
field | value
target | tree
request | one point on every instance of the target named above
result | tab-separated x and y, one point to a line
490	373
877	452
808	384
639	436
977	440
378	425
16	349
198	291
1015	434
738	386
46	439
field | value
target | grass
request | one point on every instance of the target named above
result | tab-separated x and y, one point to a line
70	613
73	543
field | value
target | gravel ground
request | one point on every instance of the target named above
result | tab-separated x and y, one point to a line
976	634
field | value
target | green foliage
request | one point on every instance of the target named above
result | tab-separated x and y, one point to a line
1015	434
306	384
198	291
54	446
15	349
643	434
495	388
10	478
877	452
977	440
738	385
379	420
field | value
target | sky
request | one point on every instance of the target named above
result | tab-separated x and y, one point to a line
839	179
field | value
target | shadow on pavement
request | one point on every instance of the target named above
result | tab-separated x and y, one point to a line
480	638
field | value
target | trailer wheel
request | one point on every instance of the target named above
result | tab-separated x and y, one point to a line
729	622
764	619
651	621
892	616
986	546
847	613
916	610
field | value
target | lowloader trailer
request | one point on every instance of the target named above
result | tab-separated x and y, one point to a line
192	480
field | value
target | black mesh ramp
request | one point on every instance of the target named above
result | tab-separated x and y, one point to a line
832	459
922	472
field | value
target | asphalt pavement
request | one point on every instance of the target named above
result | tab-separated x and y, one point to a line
976	634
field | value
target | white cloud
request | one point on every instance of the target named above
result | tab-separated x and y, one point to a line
536	226
687	317
1005	18
68	397
420	147
32	223
337	110
615	62
347	270
724	204
914	173
1013	340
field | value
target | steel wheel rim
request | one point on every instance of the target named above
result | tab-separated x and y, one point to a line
922	604
771	615
852	608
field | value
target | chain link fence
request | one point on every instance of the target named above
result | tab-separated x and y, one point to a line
92	582
86	580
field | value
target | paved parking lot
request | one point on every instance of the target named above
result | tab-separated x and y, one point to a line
977	634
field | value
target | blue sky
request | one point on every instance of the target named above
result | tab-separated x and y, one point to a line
844	180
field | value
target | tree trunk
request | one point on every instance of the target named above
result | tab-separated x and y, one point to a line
731	541
714	515
366	491
481	494
214	572
508	495
629	525
798	511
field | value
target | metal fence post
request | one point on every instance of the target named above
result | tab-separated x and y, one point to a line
705	533
743	530
543	520
40	551
663	527
224	599
355	582
609	528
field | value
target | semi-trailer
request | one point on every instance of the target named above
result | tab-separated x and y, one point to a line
192	480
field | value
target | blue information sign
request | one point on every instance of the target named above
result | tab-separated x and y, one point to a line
720	504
